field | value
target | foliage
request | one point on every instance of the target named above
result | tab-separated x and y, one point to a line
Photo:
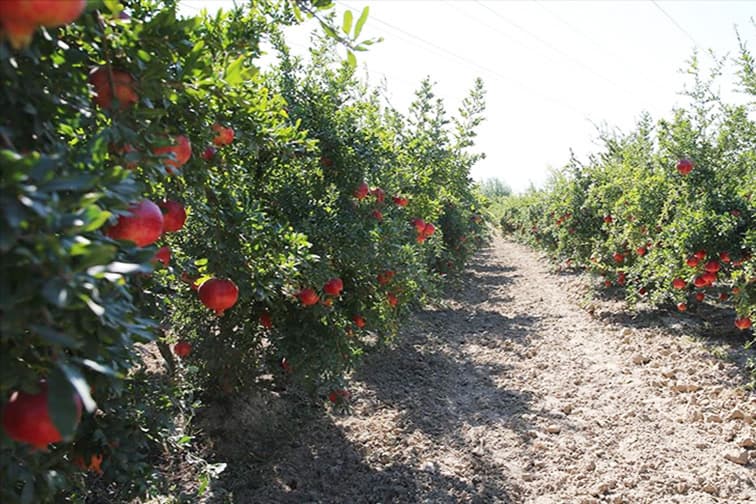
273	209
636	214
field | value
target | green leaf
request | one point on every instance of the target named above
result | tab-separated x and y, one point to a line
61	403
55	337
234	71
361	22
346	25
76	379
351	59
100	368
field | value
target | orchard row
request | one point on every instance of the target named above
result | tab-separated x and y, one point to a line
159	187
664	213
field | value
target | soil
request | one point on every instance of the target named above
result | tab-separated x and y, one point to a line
518	387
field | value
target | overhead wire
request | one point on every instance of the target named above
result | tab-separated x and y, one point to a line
674	22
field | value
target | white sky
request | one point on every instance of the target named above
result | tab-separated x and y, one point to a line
553	69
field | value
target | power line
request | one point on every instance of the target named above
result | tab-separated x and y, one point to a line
674	22
440	50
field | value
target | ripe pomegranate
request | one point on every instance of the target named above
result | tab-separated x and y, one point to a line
621	278
224	135
143	225
339	395
700	297
692	261
218	294
163	255
265	320
392	299
361	191
385	277
641	251
608	219
209	153
419	225
359	321
429	230
420	239
174	215
26	418
607	283
723	296
618	257
684	166
122	88
308	297
712	266
682	307
743	323
20	18
400	201
95	462
377	215
182	349
179	153
333	287
678	283
700	255
725	257
380	195
709	277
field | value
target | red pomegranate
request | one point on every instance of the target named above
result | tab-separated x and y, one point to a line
265	320
182	349
209	153
400	201
121	89
181	151
361	191
700	255
308	297
377	215
143	226
700	296
380	195
224	135
20	18
385	277
618	257
26	418
712	266
684	166
682	307
678	283
359	321
174	215
692	261
163	255
218	294
333	287
392	299
428	230
743	323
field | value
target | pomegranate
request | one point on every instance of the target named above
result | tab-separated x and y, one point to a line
224	135
122	88
182	349
400	201
308	297
712	266
428	230
361	191
692	261
678	283
385	277
333	287
618	257
682	307
641	251
20	18
359	321
419	225
180	153
163	255
700	296
743	323
218	294
285	365
379	194
377	215
265	320
209	153
700	255
684	166
608	219
725	257
143	226
392	299
26	418
174	215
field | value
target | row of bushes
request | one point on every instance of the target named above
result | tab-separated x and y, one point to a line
665	213
158	186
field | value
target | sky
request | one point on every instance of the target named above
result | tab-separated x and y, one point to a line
554	70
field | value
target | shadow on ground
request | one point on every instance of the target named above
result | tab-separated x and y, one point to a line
287	449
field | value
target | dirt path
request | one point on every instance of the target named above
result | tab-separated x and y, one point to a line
509	391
